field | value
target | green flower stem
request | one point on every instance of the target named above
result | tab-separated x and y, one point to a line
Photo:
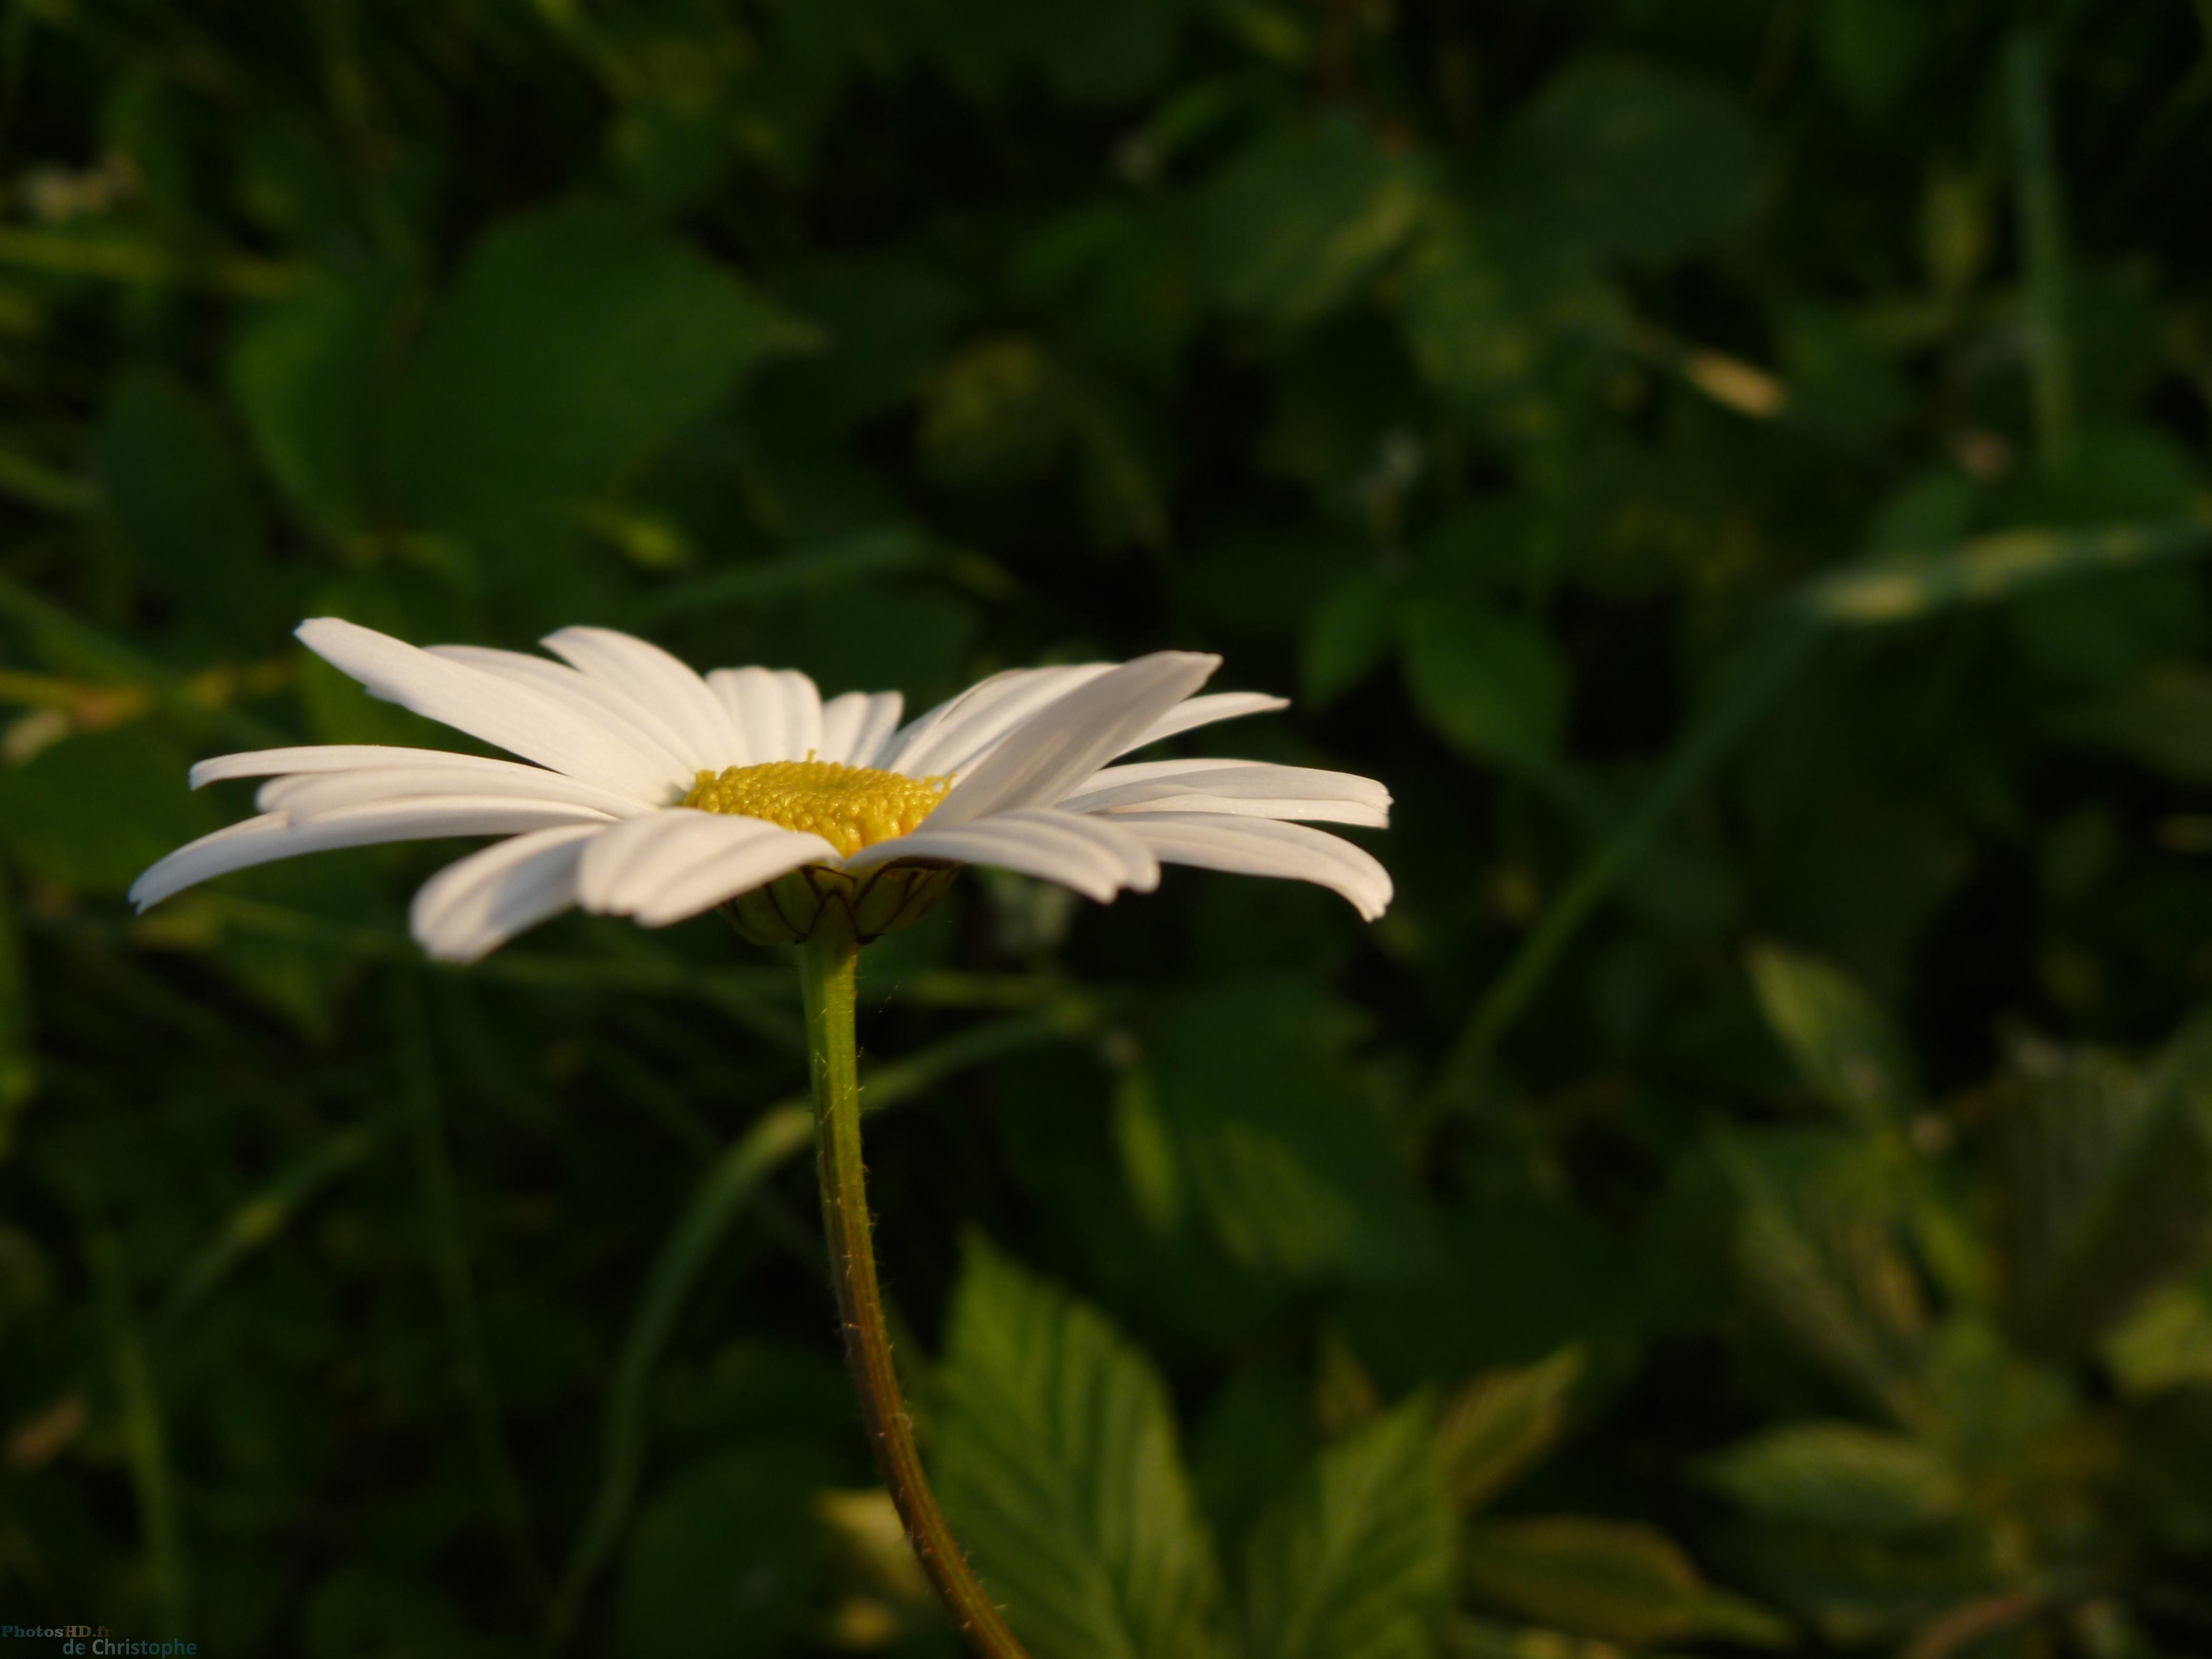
828	965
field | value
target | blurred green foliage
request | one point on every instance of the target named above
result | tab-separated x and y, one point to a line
1736	470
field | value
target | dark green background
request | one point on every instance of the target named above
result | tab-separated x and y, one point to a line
1737	470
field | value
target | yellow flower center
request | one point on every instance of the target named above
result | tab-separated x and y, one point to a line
848	806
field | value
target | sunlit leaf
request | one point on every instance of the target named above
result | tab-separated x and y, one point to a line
2167	1341
1356	1563
2111	1187
1618	1580
1844	1046
1053	1448
1492	1429
1840	1477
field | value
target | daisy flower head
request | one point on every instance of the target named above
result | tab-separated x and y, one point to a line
644	789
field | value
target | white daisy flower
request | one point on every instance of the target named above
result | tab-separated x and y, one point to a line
654	792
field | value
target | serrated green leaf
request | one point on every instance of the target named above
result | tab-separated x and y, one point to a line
2112	1188
1505	1419
1053	1450
1985	1408
1817	1244
1297	221
1617	1580
2167	1343
1844	1046
575	343
1356	1563
1483	1638
1291	1170
1841	1476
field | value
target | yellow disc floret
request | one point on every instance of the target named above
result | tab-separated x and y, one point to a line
848	806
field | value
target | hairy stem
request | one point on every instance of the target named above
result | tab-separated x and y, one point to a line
828	965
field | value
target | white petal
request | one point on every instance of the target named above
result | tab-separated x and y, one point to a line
878	723
516	718
1257	847
471	907
1204	711
1244	788
776	712
272	836
647	730
336	757
1095	857
853	726
1069	738
645	864
954	735
656	679
802	715
305	796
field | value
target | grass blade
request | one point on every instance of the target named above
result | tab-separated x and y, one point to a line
265	1214
145	1441
448	1248
2043	244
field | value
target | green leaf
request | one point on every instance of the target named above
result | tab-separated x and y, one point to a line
1347	634
1845	1046
1491	682
720	1559
1356	1563
1298	221
1818	1246
2113	1187
2161	717
1905	584
308	374
1871	48
2167	1343
998	412
1496	319
1623	159
18	1075
575	345
91	812
1501	1423
1840	1477
1618	1580
1291	1170
1480	1638
173	488
1054	1453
